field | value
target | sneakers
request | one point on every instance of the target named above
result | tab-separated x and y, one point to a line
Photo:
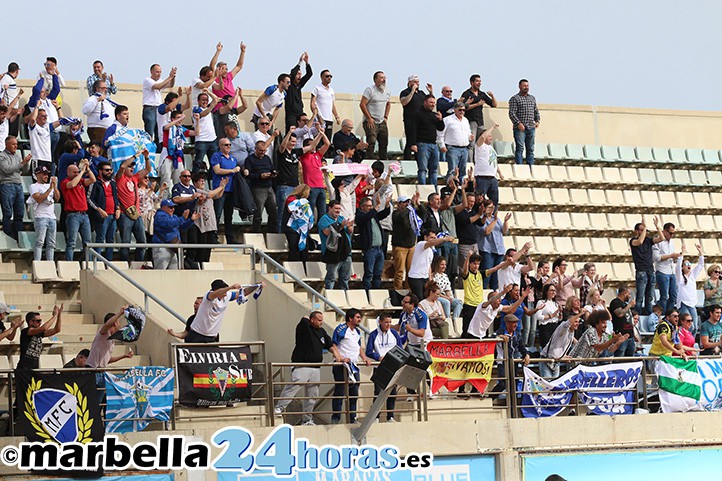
335	421
391	420
308	423
278	412
376	420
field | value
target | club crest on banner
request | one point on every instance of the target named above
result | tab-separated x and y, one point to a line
57	415
221	376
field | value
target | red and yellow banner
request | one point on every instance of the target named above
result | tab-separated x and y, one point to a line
455	363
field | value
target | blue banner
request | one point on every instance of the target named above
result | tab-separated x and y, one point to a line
141	392
447	468
608	389
659	465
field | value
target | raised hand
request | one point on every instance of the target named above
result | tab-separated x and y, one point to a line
219	47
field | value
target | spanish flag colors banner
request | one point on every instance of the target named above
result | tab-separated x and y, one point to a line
455	363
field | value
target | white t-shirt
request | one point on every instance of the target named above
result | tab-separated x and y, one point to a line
40	142
50	109
258	135
485	162
274	98
509	275
482	319
348	341
550	308
325	97
101	350
151	96
45	209
195	91
421	262
210	314
8	88
207	132
4	130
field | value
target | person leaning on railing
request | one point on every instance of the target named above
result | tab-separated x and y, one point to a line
595	342
666	337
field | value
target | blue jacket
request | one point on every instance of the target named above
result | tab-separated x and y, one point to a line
371	348
96	198
166	227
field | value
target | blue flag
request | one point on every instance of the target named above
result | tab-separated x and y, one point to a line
125	143
141	392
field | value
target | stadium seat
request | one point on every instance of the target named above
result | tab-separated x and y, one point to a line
7	243
577	176
688	223
563	245
542	196
523	196
593	153
710	247
541	151
522	174
543	221
26	240
714	178
677	156
600	246
503	149
661	155
612	176
294	267
276	242
255	240
122	265
68	271
619	246
136	265
682	179
562	220
594	176
684	200
695	156
558	174
582	246
581	200
212	266
26	181
650	199
560	197
647	177
644	154
409	169
664	176
540	173
615	199
711	156
506	195
507	172
698	178
623	271
542	244
379	299
425	191
580	220
705	222
610	153
632	198
315	271
357	270
628	155
523	220
44	271
575	152
409	190
357	298
338	297
598	221
557	151
51	361
629	176
616	221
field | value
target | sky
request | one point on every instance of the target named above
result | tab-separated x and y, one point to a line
643	53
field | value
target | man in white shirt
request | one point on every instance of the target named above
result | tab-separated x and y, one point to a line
50	69
454	140
375	105
486	167
99	111
271	100
264	126
40	146
323	105
151	97
43	195
664	258
208	320
485	314
512	274
347	339
8	115
9	91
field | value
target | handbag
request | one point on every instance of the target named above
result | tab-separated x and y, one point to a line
132	211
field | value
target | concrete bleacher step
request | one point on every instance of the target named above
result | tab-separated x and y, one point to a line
20	287
77	318
7	268
31	302
219	417
15	276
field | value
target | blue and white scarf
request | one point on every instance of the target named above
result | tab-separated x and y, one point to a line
301	220
415	220
127	142
242	298
176	141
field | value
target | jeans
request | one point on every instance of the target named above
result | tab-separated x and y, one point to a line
626	349
150	122
456	157
13	207
645	291
489	260
165	259
105	232
126	227
402	264
451	305
264	198
390	401
340	271
45	228
373	267
282	192
76	222
692	311
224	204
475	128
379	133
549	369
339	392
524	139
427	160
489	186
528	330
317	199
203	149
303	375
667	285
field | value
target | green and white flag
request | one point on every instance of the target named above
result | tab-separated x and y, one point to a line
680	385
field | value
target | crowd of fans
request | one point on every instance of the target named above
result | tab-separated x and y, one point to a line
452	239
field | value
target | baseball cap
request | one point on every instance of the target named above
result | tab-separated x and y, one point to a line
403	198
167	203
218	284
4	309
412	78
41	169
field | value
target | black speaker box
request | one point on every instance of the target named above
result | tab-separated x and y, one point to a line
392	362
418	357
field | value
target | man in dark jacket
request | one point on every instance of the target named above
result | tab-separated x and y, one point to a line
103	207
367	220
294	102
311	341
260	172
166	230
423	140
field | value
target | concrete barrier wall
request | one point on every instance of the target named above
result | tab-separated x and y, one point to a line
572	124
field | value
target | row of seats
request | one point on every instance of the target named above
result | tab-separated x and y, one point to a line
608	224
618	155
315	271
593	176
595	200
69	271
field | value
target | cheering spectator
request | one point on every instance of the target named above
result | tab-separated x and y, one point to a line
205	145
184	334
423	143
185	196
435	311
294	102
686	276
149	201
323	103
171	103
375	105
73	190
94	150
590	280
666	337
445	103
73	153
101	350
572	308
451	305
31	338
336	246
513	348
346	137
151	98
664	258
641	247
561	342
403	239
686	338
524	116
79	360
166	230
710	333
262	135
475	99
224	166
473	279
297	220
550	314
620	310
41	131
491	242
454	140
229	111
129	221
486	167
50	70
269	104
43	195
205	76
347	339
261	173
11	187
242	143
484	314
9	92
223	84
515	302
412	100
99	73
565	284
204	229
98	110
423	254
8	115
104	207
595	342
368	221
311	162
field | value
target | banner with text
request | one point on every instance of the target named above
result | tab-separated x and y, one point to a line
455	363
607	389
213	375
137	396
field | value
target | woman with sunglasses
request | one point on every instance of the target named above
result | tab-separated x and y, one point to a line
685	333
686	276
713	287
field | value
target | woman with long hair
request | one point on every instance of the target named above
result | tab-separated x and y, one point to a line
686	277
433	309
452	306
297	221
572	308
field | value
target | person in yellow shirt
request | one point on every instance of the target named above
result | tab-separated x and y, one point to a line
473	280
666	337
